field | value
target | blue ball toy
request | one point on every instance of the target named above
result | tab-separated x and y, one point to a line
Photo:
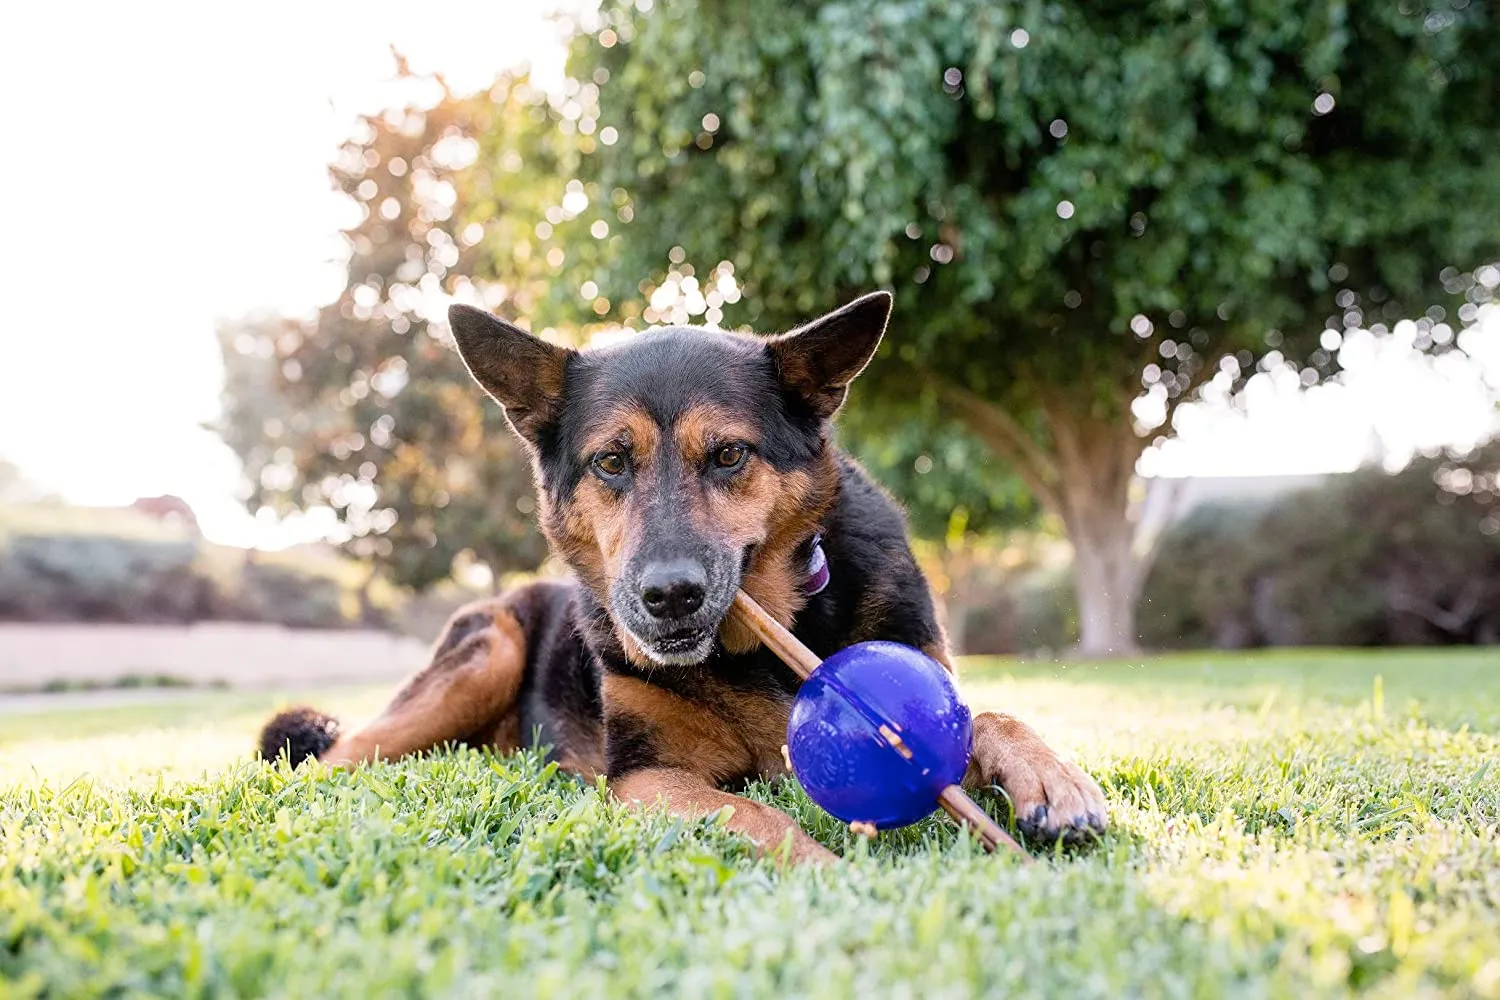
877	733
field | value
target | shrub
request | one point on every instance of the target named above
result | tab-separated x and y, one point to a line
1002	596
1370	559
74	577
102	578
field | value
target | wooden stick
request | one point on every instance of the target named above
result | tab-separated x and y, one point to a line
775	635
803	661
956	803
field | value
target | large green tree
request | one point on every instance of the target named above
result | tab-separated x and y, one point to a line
365	408
1088	212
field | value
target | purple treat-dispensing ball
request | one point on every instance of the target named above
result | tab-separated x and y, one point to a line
877	732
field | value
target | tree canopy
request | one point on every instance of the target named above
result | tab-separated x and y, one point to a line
1089	213
365	409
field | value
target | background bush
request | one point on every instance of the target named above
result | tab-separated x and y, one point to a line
154	578
1369	559
1365	559
103	578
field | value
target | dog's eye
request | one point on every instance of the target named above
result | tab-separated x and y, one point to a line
610	463
731	456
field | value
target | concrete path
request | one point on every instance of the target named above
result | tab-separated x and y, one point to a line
34	704
241	655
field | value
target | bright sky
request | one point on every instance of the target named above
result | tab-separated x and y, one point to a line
164	165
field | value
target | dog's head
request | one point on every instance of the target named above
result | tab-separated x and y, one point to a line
679	464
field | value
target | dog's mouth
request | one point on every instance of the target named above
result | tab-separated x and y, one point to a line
680	640
682	647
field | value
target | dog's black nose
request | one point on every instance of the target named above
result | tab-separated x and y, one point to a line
673	589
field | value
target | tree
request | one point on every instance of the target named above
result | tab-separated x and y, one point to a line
366	409
942	476
1089	213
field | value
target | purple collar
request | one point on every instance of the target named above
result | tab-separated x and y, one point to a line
817	568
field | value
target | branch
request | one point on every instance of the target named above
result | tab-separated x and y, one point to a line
1464	610
1088	447
1149	532
1003	432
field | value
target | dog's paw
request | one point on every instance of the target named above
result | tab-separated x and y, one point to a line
1053	798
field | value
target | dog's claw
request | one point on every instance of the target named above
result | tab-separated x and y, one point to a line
1035	824
1082	830
1053	798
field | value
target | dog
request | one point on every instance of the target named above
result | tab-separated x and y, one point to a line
672	468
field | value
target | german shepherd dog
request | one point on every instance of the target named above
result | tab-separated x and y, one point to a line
671	469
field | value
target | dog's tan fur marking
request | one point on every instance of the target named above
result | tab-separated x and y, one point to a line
939	651
776	513
693	738
597	524
761	722
689	794
594	530
704	427
466	692
629	424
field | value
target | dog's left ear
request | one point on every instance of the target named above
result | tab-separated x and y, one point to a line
820	359
521	372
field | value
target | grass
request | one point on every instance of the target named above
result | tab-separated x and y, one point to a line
131	681
1283	825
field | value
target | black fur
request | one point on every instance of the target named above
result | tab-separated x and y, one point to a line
299	733
630	744
560	701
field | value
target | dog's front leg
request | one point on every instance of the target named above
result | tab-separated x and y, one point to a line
664	750
1053	798
688	794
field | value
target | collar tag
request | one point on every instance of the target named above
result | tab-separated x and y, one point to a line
817	569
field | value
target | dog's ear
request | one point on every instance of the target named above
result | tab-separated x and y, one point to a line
820	359
523	373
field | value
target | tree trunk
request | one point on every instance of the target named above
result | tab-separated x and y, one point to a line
494	560
369	614
1083	474
1095	461
1107	576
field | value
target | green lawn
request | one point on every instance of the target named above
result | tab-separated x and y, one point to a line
1294	825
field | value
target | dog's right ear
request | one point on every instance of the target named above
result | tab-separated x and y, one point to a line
523	373
820	359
